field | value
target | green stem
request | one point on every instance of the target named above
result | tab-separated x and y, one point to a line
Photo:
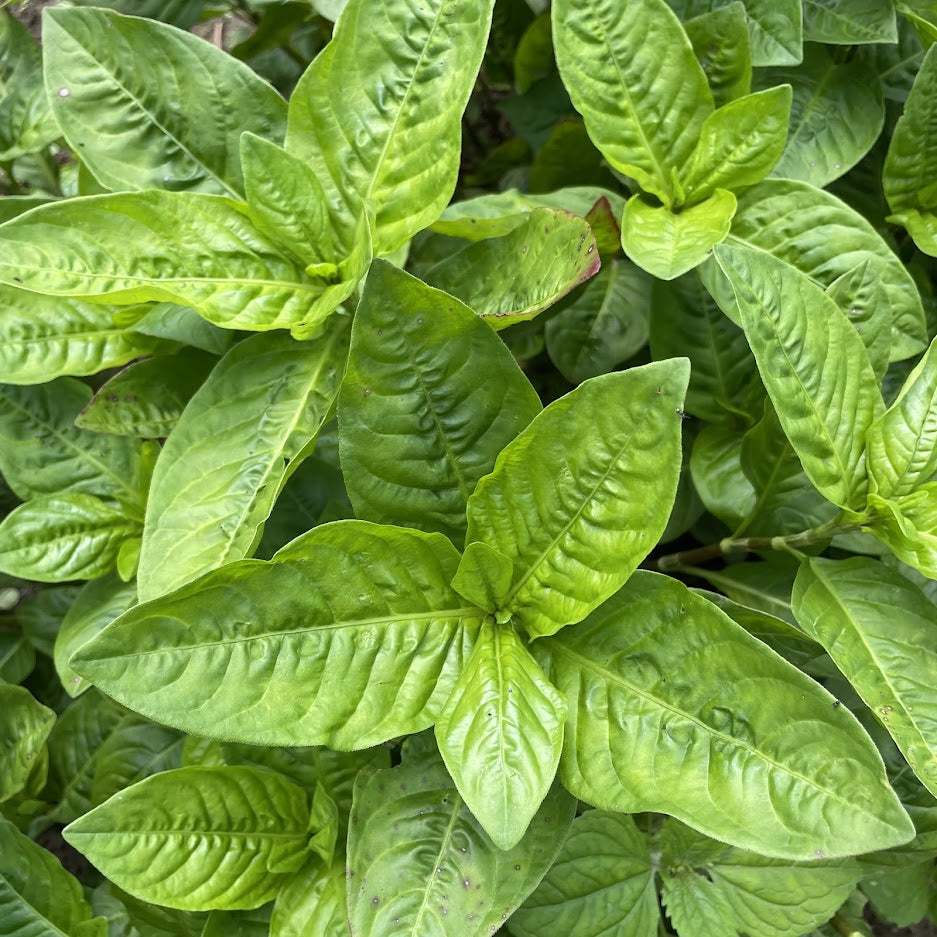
790	544
14	187
842	926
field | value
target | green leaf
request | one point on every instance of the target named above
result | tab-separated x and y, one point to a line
748	893
286	202
662	684
814	367
720	41
765	585
921	225
42	338
236	443
739	144
902	442
17	657
603	323
685	321
902	897
881	632
601	885
40	615
563	502
149	106
26	122
219	838
184	247
312	903
42	452
500	734
644	111
25	727
181	324
147	398
387	92
430	398
716	470
450	879
849	22
373	603
135	750
37	896
823	238
836	116
63	537
484	576
667	243
911	162
526	271
96	606
74	742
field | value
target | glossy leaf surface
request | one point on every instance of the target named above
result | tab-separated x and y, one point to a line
26	725
430	398
753	730
563	503
210	657
199	838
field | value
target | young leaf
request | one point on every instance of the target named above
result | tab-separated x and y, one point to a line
25	727
147	398
96	606
631	73
911	162
149	106
63	537
387	91
667	244
43	453
430	398
720	738
739	144
603	323
42	338
196	250
286	202
37	896
849	22
415	848
500	734
199	838
484	576
820	236
602	883
526	271
836	116
814	367
581	496
745	892
902	442
881	632
720	41
228	457
373	634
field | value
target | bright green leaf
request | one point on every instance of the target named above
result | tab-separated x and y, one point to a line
881	632
484	576
312	903
149	106
199	838
720	41
231	452
668	243
374	635
814	367
581	496
849	22
500	734
26	725
742	746
644	111
430	398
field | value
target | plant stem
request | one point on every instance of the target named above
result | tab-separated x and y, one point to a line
14	187
790	543
842	926
50	176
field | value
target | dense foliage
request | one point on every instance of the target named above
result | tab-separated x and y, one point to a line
496	488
